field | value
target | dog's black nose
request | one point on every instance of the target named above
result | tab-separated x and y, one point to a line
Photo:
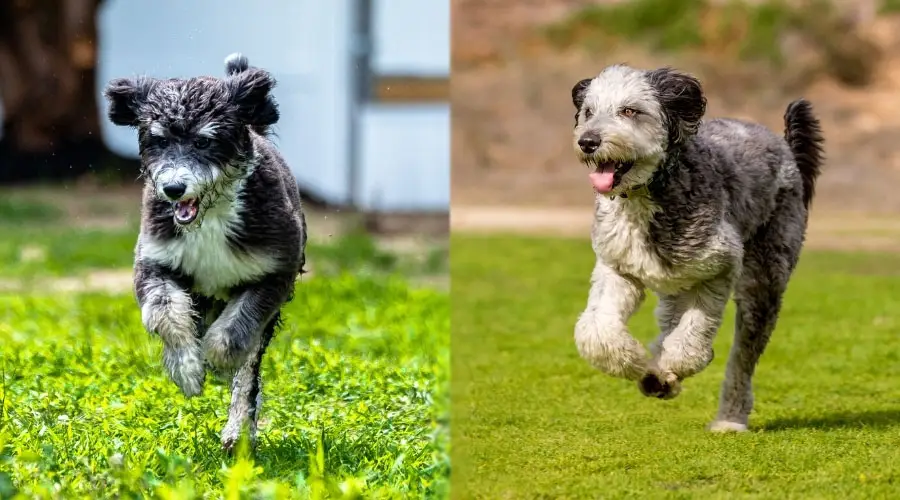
174	190
589	143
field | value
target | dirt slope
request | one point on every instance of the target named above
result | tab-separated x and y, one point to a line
512	114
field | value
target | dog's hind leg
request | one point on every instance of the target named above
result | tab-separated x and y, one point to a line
246	394
769	260
694	318
601	333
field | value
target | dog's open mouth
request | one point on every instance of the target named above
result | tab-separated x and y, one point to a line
186	210
607	174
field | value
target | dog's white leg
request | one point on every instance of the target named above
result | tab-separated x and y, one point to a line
167	310
688	349
246	394
246	390
601	333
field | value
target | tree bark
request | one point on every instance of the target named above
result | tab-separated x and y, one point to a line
51	125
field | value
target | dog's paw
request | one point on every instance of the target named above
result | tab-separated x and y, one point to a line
611	350
232	435
223	350
185	367
726	426
662	386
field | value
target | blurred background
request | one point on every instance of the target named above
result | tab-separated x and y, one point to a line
364	125
531	418
356	380
514	63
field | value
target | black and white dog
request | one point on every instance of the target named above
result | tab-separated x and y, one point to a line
223	235
693	211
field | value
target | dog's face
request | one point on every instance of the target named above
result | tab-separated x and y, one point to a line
194	134
626	120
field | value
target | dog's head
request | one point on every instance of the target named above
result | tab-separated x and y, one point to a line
626	120
194	134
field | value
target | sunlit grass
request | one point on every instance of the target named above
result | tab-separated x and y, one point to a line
531	419
355	385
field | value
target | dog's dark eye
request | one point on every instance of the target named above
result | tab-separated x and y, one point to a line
629	112
161	142
201	142
588	114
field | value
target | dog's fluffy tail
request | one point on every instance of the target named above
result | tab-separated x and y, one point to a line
804	136
236	63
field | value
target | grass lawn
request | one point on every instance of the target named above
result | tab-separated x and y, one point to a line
531	419
355	385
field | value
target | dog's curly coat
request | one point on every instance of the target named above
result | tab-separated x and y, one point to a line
693	211
223	234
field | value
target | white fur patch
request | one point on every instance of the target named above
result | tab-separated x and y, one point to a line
157	129
621	239
173	322
204	253
725	426
209	130
601	333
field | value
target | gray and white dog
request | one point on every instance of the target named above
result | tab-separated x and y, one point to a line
223	235
693	211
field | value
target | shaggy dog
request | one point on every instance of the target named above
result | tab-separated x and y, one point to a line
223	235
693	211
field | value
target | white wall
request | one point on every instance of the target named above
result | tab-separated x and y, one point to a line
405	157
405	148
412	37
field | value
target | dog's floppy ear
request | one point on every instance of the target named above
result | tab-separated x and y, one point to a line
682	100
579	90
250	90
125	97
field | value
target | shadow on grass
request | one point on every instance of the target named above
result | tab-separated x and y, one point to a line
879	419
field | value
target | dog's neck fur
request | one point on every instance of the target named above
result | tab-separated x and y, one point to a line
204	251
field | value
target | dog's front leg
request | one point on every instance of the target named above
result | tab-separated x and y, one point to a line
233	334
695	316
167	310
234	344
601	332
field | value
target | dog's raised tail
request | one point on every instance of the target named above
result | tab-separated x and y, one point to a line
236	63
803	134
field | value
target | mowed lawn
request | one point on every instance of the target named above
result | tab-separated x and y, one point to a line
531	419
355	385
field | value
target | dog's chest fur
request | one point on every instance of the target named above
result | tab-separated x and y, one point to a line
622	238
206	255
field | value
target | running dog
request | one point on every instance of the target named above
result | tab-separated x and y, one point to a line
223	235
695	211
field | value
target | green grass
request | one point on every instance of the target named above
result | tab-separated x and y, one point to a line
21	211
355	385
747	31
43	251
531	419
37	242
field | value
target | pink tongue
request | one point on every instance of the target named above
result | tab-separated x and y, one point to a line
602	180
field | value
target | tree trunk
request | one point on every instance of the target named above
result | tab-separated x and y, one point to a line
51	125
